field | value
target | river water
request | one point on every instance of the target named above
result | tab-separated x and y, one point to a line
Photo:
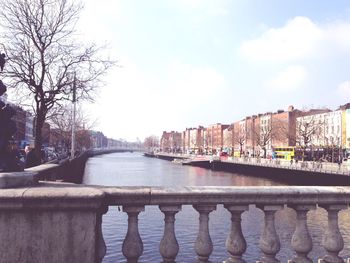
132	169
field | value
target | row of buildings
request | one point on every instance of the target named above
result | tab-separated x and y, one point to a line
57	138
258	135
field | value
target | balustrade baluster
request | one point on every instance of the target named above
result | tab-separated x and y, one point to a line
332	240
101	245
132	245
269	242
169	246
301	239
235	242
204	245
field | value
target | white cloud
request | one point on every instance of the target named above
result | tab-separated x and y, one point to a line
97	18
211	8
133	103
290	79
219	11
193	85
190	3
300	38
344	89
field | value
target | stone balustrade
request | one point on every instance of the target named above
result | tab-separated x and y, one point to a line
57	222
236	200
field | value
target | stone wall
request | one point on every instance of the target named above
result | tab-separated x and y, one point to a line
51	223
61	222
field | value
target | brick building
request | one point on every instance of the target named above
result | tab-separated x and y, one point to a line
215	137
171	141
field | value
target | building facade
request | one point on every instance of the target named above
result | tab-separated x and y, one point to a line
171	141
215	137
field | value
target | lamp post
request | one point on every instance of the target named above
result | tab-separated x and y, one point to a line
72	153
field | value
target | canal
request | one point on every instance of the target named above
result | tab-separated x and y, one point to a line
132	169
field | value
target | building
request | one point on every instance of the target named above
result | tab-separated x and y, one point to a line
215	137
320	130
20	121
98	139
345	136
228	139
193	140
244	137
171	141
24	124
239	138
29	129
185	140
284	127
260	134
320	136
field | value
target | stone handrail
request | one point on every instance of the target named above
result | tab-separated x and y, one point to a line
59	222
236	200
52	222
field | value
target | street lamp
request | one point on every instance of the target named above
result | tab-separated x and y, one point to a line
72	152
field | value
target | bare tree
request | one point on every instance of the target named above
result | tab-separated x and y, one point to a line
151	142
228	138
45	63
177	142
239	138
272	129
61	126
164	142
193	143
307	128
263	137
207	141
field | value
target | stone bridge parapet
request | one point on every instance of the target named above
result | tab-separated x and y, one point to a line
61	222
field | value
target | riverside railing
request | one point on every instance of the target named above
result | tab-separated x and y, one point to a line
322	167
236	200
313	166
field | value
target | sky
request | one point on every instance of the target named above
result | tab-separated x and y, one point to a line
185	63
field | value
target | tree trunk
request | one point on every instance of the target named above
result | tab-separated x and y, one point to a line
39	123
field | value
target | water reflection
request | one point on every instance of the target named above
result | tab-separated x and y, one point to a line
126	169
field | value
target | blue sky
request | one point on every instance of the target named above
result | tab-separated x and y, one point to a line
186	63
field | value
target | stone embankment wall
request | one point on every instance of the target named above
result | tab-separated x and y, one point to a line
289	176
71	171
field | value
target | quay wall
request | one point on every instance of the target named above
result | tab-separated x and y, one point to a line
71	171
293	176
284	174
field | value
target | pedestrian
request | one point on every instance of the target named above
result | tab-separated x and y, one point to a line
31	157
